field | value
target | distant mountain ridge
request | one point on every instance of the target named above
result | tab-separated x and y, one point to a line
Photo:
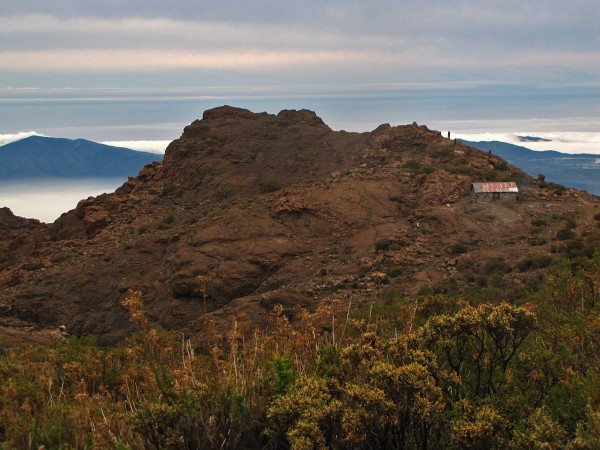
46	157
581	171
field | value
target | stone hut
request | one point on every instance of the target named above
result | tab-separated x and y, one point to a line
495	191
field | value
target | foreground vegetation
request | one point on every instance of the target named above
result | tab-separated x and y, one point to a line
434	372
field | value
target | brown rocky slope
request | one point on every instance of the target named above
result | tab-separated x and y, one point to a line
251	210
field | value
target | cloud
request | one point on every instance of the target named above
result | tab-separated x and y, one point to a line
136	60
145	146
405	41
46	200
8	138
48	32
302	61
562	141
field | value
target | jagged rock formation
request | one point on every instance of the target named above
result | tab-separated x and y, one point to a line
251	210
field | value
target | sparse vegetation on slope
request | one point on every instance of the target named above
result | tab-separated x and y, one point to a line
432	372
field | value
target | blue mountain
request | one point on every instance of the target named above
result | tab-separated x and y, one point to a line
581	171
44	157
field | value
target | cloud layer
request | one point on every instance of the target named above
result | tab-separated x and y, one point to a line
13	137
158	147
320	41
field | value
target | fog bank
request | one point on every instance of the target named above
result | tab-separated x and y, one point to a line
47	199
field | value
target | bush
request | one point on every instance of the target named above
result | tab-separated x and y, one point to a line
557	188
497	265
382	244
412	164
503	165
564	234
428	169
459	249
537	241
143	229
534	262
571	224
269	185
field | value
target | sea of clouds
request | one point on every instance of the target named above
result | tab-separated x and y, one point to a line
47	199
564	142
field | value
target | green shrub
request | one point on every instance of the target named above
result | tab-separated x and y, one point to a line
459	248
143	229
428	169
496	265
557	188
393	273
412	164
502	165
537	241
382	244
571	224
425	290
284	374
269	185
166	222
534	262
564	234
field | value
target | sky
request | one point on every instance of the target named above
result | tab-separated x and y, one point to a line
139	71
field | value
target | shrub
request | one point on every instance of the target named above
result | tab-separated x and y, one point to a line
557	188
564	234
393	273
537	241
534	262
382	244
502	165
496	265
143	229
428	169
571	224
412	164
166	222
459	249
269	185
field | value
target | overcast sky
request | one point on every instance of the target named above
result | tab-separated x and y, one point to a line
76	43
541	46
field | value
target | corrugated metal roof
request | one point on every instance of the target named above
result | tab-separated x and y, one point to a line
500	187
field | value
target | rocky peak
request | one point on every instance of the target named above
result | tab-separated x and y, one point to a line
252	209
